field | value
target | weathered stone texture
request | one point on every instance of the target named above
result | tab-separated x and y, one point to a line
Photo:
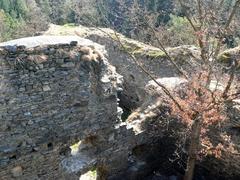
151	58
65	92
50	99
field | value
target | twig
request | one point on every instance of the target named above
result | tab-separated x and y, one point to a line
197	30
233	12
166	53
167	92
231	78
169	58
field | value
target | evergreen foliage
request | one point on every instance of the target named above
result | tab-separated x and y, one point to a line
27	17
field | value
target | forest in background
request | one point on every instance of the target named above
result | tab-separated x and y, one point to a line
21	18
213	24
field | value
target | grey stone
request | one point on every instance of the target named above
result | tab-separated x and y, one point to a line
68	65
48	107
17	171
46	88
7	149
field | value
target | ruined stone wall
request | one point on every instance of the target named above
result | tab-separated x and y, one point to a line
50	98
151	58
56	95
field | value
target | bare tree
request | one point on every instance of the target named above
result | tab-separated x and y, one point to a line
202	103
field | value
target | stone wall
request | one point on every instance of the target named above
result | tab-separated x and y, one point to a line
52	97
152	58
56	92
60	114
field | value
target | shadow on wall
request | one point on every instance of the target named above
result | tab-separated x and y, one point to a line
50	98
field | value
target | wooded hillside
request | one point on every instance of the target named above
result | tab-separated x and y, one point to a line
19	18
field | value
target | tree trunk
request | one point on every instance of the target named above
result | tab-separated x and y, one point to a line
193	148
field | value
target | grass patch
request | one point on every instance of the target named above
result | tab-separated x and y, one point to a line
69	25
224	58
138	49
129	45
156	54
93	173
74	147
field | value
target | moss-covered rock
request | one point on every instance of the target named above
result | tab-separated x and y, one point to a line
227	56
132	46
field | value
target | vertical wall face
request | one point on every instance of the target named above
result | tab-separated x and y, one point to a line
50	98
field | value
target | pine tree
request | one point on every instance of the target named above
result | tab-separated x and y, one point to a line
5	5
21	8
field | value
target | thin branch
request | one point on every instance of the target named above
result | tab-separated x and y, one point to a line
232	14
166	53
221	4
200	13
234	95
167	92
169	58
231	78
197	30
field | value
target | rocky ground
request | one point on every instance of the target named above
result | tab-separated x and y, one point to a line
135	98
136	147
